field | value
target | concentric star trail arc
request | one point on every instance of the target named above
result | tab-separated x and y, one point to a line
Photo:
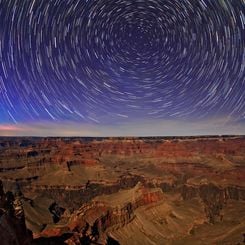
103	62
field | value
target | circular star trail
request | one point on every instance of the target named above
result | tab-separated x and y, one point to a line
100	61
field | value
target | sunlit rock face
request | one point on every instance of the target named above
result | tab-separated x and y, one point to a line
123	190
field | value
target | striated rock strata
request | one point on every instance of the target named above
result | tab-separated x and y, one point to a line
85	190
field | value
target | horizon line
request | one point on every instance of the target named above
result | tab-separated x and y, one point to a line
129	136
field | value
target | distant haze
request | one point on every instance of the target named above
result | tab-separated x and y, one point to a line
150	128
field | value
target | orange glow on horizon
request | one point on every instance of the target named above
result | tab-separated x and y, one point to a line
9	128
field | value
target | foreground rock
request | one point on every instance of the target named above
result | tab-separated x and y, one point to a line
12	220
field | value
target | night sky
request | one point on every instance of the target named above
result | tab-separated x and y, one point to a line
117	67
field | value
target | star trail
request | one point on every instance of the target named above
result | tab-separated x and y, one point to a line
100	62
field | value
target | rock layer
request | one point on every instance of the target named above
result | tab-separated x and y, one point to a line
84	190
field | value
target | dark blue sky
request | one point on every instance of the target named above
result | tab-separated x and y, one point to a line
103	64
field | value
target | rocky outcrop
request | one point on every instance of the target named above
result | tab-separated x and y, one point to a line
214	197
90	222
12	220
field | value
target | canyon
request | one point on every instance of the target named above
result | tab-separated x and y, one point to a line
122	190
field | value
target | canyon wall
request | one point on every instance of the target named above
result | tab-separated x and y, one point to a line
72	173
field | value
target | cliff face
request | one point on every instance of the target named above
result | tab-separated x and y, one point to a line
31	159
92	220
12	220
58	151
214	197
74	175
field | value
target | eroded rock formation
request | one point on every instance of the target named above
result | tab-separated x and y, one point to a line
67	189
12	220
